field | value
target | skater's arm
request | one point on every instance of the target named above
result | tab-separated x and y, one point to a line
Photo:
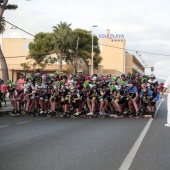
161	94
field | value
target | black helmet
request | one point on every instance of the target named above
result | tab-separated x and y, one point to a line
76	79
98	79
123	75
130	82
64	77
37	70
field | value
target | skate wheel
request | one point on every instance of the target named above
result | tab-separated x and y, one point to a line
147	116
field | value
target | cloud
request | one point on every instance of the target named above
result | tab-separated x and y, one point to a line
144	23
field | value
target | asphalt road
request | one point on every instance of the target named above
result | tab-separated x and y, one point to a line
84	144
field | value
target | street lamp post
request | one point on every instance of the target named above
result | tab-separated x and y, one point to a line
92	51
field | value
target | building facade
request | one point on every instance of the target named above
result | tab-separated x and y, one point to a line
16	51
115	60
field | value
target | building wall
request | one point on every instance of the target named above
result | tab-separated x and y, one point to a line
16	48
129	62
113	58
15	51
133	64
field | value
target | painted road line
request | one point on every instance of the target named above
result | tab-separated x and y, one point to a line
22	122
131	155
4	126
42	118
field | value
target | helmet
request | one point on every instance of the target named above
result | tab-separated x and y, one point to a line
87	78
76	79
57	83
93	87
152	75
57	72
109	75
71	88
123	83
94	78
98	79
94	75
60	72
106	81
113	79
130	82
61	82
26	79
64	77
80	71
8	81
144	80
44	76
27	86
37	70
123	75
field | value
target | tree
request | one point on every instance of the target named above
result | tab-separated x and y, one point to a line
85	46
63	40
40	50
2	26
3	67
97	60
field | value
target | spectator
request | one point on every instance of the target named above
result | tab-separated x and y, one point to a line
3	90
20	81
0	81
166	87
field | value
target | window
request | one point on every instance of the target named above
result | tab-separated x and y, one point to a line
25	46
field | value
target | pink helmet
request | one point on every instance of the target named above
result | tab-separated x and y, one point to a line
87	78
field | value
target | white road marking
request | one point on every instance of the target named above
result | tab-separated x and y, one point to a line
42	118
4	126
131	155
22	122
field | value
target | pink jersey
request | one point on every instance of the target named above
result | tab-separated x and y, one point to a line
3	88
67	84
20	83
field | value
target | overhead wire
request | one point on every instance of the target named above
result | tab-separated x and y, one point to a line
126	49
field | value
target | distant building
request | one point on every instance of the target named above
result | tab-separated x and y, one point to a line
16	51
115	59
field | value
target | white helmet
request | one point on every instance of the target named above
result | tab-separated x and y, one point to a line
94	78
152	75
80	71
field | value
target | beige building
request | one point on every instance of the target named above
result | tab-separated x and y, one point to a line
115	60
133	64
16	50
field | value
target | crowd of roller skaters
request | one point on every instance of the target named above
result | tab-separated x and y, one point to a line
131	95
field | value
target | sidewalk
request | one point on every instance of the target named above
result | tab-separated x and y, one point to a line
8	106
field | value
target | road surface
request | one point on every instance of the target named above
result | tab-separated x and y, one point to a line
85	144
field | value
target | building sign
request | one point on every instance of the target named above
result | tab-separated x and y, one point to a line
111	36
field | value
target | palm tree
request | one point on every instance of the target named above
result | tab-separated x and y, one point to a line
2	26
3	64
63	40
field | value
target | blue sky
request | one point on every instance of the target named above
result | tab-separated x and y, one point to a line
144	24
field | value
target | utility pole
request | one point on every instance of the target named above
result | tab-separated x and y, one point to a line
75	60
